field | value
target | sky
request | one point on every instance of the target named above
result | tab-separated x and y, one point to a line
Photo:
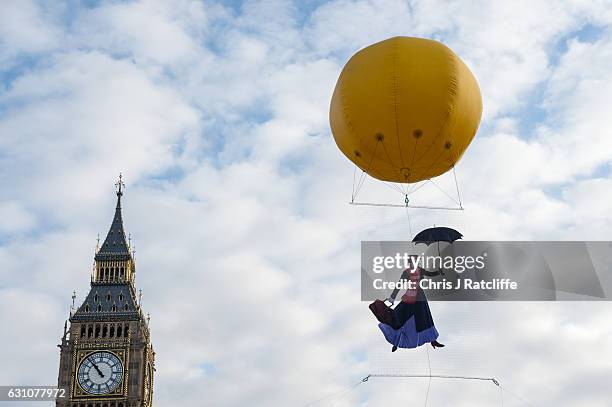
237	198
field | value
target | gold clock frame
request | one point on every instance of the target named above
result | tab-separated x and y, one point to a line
83	351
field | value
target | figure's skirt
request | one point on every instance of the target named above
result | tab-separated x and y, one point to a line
407	336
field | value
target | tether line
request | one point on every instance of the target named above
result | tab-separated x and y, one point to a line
354	175
337	395
344	392
444	192
360	184
429	382
457	185
437	376
416	187
409	222
522	400
393	186
390	205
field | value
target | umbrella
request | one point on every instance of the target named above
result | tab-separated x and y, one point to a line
437	234
430	236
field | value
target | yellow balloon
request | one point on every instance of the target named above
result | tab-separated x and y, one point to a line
405	109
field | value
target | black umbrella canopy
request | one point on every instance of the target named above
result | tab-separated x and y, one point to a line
437	234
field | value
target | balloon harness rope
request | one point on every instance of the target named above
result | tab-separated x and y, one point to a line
404	189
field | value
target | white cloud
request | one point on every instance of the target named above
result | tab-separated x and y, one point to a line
247	251
25	28
15	218
150	32
85	116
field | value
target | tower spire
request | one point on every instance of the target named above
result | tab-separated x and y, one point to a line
120	185
114	262
115	245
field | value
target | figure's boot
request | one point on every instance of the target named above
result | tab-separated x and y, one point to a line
394	348
436	344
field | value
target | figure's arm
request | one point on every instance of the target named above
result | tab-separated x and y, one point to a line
405	275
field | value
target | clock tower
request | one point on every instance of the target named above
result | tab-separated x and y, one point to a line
106	355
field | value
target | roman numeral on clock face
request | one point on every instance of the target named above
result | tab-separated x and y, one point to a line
100	373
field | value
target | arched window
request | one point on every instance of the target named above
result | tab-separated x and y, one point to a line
86	307
97	331
119	331
90	331
82	331
96	298
99	307
120	296
126	329
125	307
104	330
112	331
114	308
108	296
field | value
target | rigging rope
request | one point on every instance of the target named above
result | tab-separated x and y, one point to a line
429	382
403	189
522	400
445	208
417	187
360	184
409	222
456	185
444	192
347	390
437	376
393	186
339	394
354	174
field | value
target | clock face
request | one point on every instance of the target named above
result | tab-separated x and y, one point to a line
100	373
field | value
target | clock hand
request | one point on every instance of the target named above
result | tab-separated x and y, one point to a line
97	369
